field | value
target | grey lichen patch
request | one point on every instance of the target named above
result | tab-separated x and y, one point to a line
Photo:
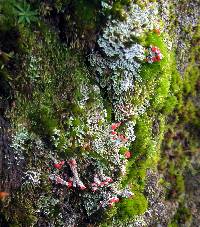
120	55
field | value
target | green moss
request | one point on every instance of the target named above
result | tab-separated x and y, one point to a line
161	84
191	77
160	73
7	18
128	208
108	215
144	153
182	216
25	210
42	120
48	67
182	136
86	13
170	104
172	225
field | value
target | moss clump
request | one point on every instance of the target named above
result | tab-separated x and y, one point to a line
53	92
128	208
159	75
142	149
42	120
125	210
158	83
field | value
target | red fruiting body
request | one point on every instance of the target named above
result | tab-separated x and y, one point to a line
154	49
62	163
94	189
69	184
101	184
154	59
82	187
108	179
123	138
113	133
158	51
158	58
127	154
154	54
57	166
114	126
72	161
59	180
115	200
112	201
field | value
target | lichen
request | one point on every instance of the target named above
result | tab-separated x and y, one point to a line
89	123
